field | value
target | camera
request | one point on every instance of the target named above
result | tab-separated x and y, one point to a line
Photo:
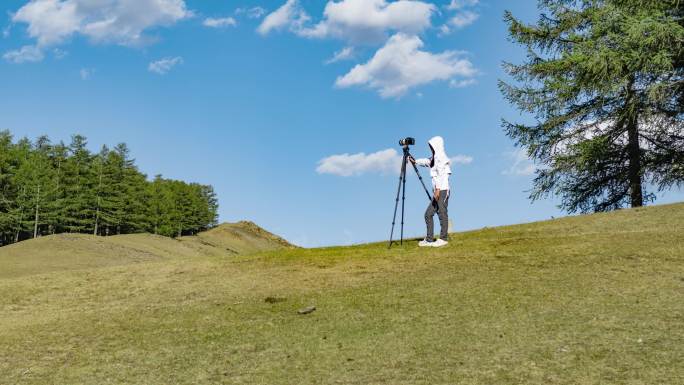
407	142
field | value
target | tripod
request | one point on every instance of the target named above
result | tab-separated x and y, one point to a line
402	189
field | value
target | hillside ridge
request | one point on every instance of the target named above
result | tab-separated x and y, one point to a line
82	251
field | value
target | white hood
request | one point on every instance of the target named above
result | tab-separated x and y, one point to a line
439	164
440	157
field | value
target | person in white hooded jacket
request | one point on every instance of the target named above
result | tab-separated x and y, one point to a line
440	170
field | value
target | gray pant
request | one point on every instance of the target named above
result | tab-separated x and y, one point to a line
439	207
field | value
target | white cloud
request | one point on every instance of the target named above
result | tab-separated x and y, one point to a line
163	66
462	159
521	165
251	13
59	53
458	4
124	22
463	16
382	162
219	22
400	65
369	21
444	30
290	15
462	83
463	19
345	53
357	21
6	31
49	21
26	54
86	73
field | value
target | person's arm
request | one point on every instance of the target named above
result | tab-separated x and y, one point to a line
420	162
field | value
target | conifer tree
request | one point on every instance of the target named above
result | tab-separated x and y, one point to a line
58	157
19	206
133	188
111	193
209	217
157	206
34	179
78	181
604	81
102	191
182	207
7	189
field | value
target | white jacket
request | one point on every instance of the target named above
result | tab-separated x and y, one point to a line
439	164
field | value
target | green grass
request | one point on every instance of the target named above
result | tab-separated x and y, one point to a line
583	300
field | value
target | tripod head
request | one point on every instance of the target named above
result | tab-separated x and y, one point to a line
408	141
405	143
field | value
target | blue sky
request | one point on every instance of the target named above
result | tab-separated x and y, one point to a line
289	109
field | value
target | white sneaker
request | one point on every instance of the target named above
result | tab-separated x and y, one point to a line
425	243
439	243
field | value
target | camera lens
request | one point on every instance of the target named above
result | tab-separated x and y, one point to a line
407	142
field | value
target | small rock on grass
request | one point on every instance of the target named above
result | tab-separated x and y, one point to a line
274	299
306	310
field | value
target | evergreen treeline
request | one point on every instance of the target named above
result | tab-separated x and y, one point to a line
50	188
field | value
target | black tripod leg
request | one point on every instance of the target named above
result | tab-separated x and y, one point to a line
402	181
403	200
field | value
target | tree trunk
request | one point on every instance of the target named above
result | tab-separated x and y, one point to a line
97	216
99	202
631	119
35	223
634	150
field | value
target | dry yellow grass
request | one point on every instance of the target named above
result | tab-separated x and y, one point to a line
238	238
80	251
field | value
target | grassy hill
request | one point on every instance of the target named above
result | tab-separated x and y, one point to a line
582	300
238	238
80	251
